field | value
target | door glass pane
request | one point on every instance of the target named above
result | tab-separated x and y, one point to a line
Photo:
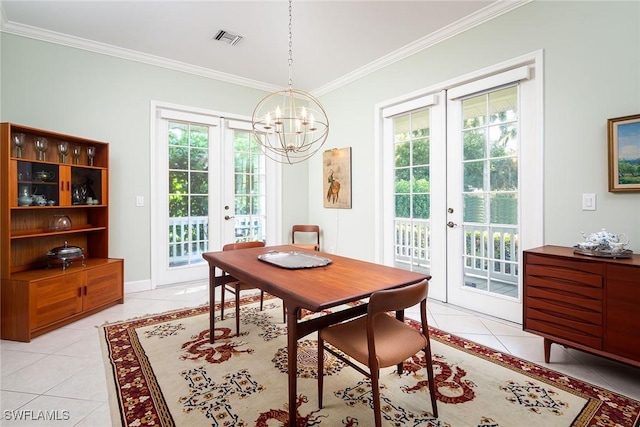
420	179
503	174
504	208
421	151
490	189
412	221
473	179
474	112
249	188
473	206
474	144
403	157
188	193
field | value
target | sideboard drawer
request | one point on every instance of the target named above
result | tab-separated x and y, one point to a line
577	332
558	276
565	264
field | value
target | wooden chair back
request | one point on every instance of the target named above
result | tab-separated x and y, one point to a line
306	228
242	245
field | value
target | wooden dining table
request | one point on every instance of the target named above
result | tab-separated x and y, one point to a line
343	280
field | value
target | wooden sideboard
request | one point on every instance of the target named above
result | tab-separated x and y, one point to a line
588	303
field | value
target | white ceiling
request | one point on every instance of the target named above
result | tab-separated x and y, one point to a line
333	41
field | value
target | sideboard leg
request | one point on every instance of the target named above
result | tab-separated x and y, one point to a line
547	349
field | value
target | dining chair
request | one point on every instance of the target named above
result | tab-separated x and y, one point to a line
378	340
306	229
236	287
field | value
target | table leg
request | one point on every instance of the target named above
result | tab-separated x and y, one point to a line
292	361
212	304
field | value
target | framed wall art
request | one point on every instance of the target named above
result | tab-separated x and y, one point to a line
336	171
624	154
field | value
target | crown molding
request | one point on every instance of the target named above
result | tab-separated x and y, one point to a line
122	53
486	14
492	11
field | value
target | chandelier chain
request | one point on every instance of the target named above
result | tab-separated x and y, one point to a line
290	125
290	46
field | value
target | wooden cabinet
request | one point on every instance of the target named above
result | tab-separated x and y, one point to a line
592	304
36	187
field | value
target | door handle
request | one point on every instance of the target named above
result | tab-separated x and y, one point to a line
227	217
451	224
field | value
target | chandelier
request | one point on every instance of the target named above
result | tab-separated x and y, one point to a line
290	124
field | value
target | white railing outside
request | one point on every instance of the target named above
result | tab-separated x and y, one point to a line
484	258
188	240
412	246
189	237
249	228
491	258
489	263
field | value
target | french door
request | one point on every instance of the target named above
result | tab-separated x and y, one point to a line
250	190
413	188
466	176
212	186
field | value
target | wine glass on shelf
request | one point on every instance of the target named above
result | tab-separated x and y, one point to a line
77	150
18	141
63	149
41	147
91	152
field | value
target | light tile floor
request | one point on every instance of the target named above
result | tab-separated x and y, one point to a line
62	373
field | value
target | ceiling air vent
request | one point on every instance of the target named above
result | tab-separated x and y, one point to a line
229	38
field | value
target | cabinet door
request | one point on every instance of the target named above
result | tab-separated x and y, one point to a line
65	186
623	318
55	299
103	285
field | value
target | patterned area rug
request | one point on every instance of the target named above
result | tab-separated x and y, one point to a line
163	371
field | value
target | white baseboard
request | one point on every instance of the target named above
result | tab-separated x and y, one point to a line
137	286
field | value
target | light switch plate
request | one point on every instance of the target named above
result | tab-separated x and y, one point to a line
589	202
139	201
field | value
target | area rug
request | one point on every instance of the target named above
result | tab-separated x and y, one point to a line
163	371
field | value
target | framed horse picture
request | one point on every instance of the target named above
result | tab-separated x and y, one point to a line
336	170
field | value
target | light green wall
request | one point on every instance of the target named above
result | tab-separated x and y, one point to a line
95	96
591	73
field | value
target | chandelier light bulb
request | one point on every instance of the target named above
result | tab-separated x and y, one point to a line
278	115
